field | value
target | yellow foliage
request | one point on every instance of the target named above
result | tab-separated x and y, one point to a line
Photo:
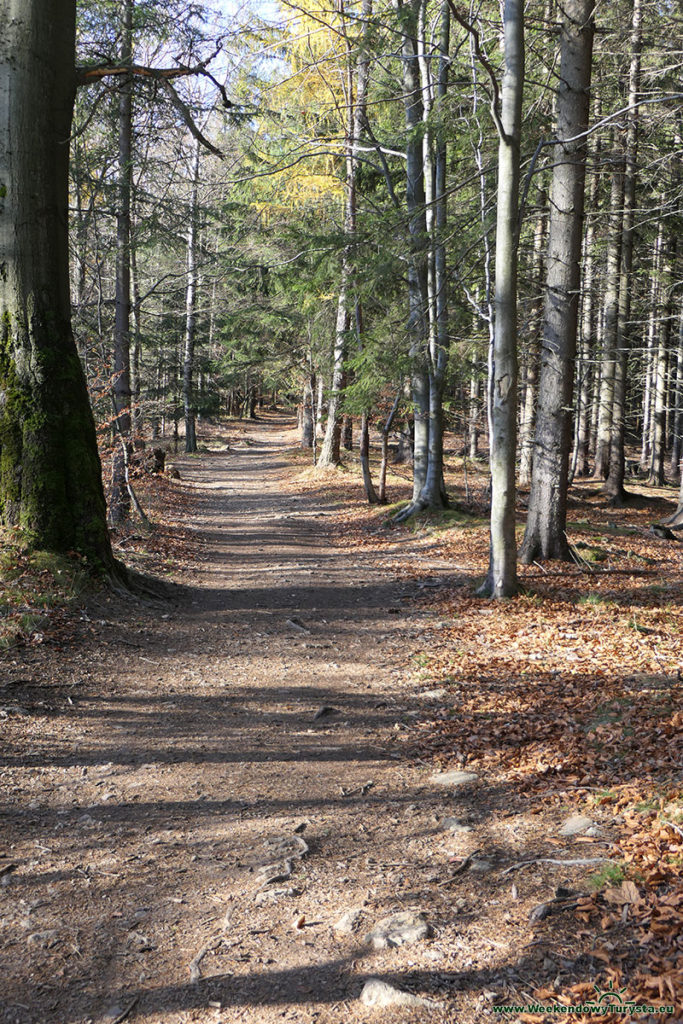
313	99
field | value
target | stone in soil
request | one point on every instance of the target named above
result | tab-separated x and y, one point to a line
576	825
279	871
285	846
348	922
398	930
454	778
272	895
453	825
276	861
380	993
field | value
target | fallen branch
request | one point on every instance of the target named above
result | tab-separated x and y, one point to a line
124	1013
593	572
213	943
463	866
581	862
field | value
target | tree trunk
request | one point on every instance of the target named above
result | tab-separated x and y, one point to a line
665	314
417	327
545	535
677	439
330	454
364	452
320	404
533	351
191	308
585	373
119	504
136	350
50	474
473	413
611	315
617	461
432	493
501	580
385	450
306	423
347	433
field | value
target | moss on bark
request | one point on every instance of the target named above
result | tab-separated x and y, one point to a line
50	475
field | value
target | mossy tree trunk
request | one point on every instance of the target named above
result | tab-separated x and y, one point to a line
50	474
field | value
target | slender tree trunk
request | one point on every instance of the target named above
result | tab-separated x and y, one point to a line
652	325
501	580
50	474
586	374
418	331
320	404
617	461
330	454
307	415
191	308
665	315
119	504
386	429
136	350
677	439
364	452
432	494
533	350
545	535
611	315
474	412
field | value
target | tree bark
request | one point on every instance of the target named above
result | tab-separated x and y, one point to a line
585	372
545	535
50	474
611	315
614	487
526	441
432	493
417	327
306	423
330	453
119	503
191	308
501	580
677	439
665	313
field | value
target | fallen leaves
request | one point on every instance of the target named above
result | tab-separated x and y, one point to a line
569	695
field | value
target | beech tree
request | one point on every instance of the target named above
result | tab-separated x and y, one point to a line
50	473
501	580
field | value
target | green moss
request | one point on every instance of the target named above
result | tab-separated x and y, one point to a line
611	874
591	554
32	585
50	476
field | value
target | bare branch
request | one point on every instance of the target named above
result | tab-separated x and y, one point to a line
486	64
186	115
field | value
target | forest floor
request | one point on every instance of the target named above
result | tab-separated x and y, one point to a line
211	799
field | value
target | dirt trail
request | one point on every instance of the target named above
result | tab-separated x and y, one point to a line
150	763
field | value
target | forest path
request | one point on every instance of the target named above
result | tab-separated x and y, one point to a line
266	706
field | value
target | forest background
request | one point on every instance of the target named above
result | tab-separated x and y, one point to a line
332	237
415	221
